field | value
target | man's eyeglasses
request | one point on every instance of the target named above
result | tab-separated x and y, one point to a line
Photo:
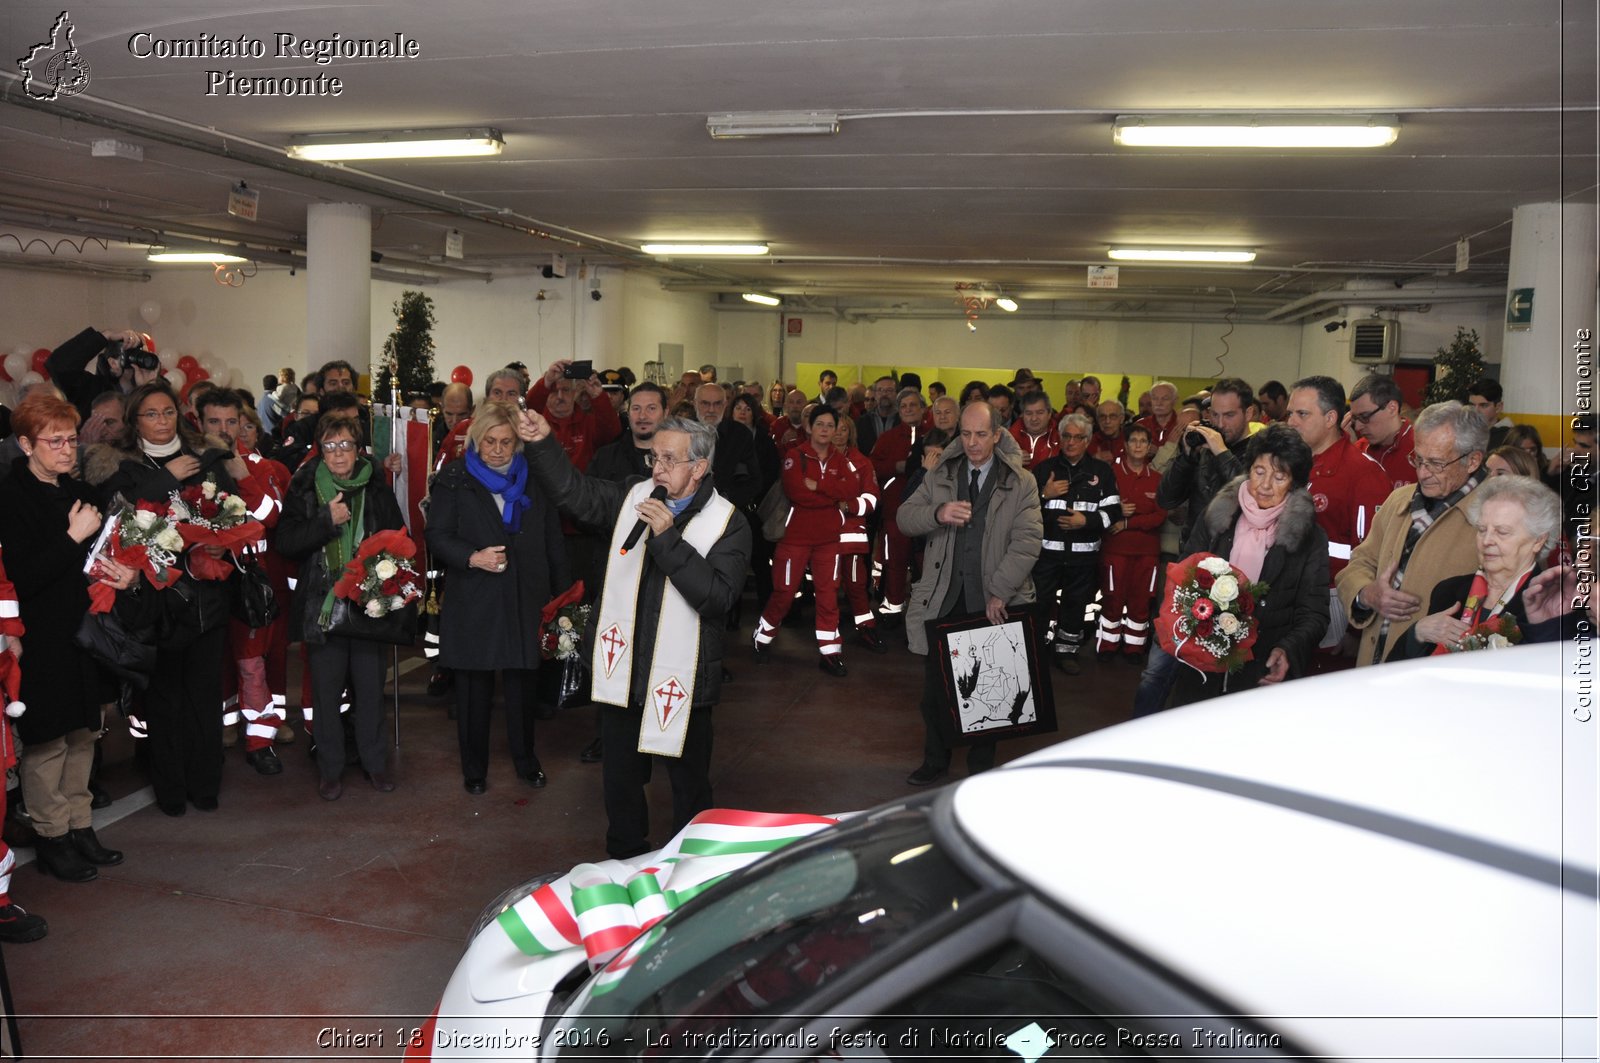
338	446
652	460
1433	465
1364	418
1073	435
168	414
59	442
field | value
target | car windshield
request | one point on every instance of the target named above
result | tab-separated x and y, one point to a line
762	946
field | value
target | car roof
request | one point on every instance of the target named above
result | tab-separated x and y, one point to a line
1352	854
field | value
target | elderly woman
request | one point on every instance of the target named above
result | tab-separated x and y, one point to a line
157	454
1517	519
48	523
334	502
1265	524
500	541
827	490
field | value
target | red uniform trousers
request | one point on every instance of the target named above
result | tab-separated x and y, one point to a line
896	562
1127	585
853	571
255	680
789	564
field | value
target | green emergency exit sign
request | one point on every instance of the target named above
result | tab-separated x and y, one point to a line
1519	308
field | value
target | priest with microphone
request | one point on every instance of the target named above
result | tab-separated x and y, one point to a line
674	568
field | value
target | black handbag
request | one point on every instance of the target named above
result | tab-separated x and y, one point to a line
350	621
255	605
127	653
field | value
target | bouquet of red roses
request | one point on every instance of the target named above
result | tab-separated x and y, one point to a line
1495	632
205	515
1208	620
382	577
141	537
563	619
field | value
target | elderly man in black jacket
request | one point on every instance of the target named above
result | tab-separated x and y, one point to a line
656	633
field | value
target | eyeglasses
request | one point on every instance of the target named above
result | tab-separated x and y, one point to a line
338	446
168	414
1074	435
59	442
1433	465
653	460
1363	418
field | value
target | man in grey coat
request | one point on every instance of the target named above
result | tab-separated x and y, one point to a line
980	512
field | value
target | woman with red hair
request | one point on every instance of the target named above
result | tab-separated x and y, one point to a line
48	523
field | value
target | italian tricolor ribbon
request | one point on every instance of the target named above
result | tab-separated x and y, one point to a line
602	907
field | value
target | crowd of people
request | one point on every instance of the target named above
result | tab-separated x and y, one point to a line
1381	533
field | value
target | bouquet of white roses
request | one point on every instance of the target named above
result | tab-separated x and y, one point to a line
1208	620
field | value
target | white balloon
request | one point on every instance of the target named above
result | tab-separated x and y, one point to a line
235	378
169	359
30	377
23	349
177	379
8	394
18	363
150	310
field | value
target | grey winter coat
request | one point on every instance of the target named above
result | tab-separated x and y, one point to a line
1012	534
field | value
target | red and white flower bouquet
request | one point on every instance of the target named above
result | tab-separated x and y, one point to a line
382	578
1208	619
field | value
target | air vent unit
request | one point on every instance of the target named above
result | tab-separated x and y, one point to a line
1374	341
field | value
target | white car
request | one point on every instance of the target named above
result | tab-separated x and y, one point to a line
1387	863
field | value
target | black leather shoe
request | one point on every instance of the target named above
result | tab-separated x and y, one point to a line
1068	663
330	789
59	857
869	638
90	849
830	663
536	779
98	798
173	808
18	927
592	753
891	621
926	775
204	804
265	761
476	786
381	781
440	682
763	655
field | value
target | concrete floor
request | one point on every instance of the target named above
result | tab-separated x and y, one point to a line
244	932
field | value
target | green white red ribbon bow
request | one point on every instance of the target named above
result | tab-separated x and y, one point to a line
602	907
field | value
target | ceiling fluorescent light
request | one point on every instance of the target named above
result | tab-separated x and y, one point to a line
696	250
161	254
1256	130
772	124
764	300
1006	303
397	144
1152	254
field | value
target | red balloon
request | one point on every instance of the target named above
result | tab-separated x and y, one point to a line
188	363
196	375
40	357
461	375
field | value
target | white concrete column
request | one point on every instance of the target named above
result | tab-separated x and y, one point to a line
339	289
1553	252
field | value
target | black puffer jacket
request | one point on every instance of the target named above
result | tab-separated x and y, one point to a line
190	607
1196	477
491	620
1294	612
710	584
307	526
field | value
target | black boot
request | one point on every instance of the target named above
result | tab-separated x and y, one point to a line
58	857
90	849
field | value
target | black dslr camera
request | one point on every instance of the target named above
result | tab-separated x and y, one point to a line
135	356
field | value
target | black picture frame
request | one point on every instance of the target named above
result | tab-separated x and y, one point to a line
993	677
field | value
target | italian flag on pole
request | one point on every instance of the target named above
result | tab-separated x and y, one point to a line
602	907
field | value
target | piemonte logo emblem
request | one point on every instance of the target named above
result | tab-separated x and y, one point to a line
55	68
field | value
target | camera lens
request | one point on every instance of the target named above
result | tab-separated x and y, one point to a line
1193	440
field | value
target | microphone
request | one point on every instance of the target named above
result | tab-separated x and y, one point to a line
639	529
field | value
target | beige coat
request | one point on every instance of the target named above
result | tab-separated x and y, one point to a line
1013	530
1448	548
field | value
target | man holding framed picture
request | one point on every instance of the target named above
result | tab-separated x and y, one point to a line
980	512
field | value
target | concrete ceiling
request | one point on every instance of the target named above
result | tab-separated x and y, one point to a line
975	142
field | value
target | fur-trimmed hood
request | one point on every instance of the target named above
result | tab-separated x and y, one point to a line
1299	514
101	461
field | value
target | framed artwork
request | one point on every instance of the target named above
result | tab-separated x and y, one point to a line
995	682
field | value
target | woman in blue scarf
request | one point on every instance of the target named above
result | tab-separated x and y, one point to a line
500	541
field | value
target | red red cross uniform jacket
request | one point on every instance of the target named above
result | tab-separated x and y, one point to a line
580	433
1347	487
1159	434
1128	563
1036	450
1396	457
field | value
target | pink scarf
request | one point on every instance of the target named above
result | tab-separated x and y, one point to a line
1254	534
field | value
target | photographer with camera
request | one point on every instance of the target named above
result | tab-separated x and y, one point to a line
94	362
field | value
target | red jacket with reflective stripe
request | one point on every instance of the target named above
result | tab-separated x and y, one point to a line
835	511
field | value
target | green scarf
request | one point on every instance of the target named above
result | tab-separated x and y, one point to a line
342	547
